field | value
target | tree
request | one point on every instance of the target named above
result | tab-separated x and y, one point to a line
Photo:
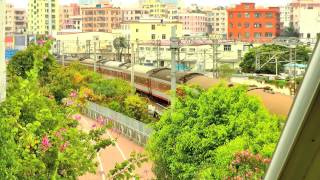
137	108
248	65
225	71
120	43
206	129
289	32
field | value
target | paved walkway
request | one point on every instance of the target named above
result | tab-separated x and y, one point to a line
108	157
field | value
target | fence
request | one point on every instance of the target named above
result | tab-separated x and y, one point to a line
131	128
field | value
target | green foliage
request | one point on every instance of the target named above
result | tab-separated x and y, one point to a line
136	107
225	71
206	129
249	61
23	62
289	32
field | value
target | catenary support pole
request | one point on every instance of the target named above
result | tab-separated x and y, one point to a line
95	56
174	47
3	75
132	68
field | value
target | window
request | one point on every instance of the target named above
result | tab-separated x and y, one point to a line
308	35
257	35
257	15
269	15
239	35
239	25
257	25
247	15
137	30
163	36
192	50
239	15
231	25
269	25
153	27
227	47
268	34
231	35
153	36
246	25
247	35
230	15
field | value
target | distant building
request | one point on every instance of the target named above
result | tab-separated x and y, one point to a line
294	69
286	16
149	29
89	2
66	12
133	14
39	17
9	23
249	23
155	8
102	17
218	22
306	19
20	19
194	23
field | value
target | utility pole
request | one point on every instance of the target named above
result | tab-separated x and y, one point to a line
174	45
132	68
3	74
204	60
214	58
50	16
95	56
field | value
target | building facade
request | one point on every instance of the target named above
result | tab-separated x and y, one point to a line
194	23
16	20
286	15
155	8
218	22
133	14
89	2
306	19
149	30
39	17
66	12
248	23
100	18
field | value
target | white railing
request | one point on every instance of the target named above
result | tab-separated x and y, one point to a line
129	127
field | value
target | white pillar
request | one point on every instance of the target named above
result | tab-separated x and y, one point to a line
2	52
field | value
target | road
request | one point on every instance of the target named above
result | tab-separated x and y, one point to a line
108	157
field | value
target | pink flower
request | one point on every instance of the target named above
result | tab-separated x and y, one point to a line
94	126
69	103
77	117
64	146
73	94
101	120
45	143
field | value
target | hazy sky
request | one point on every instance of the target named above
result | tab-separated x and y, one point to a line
23	3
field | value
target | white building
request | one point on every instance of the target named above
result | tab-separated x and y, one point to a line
306	19
218	22
285	16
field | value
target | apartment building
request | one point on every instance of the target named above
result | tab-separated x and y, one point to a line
133	14
218	22
102	17
155	8
41	14
149	29
306	18
15	19
89	2
286	15
249	23
194	23
66	12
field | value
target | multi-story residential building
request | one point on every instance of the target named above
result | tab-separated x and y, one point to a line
285	16
89	2
102	17
155	8
218	22
306	18
67	11
248	23
20	18
43	18
9	26
16	20
149	29
194	23
133	14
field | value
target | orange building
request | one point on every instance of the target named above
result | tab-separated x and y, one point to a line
101	17
253	24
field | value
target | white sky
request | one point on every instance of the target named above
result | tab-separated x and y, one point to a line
23	3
